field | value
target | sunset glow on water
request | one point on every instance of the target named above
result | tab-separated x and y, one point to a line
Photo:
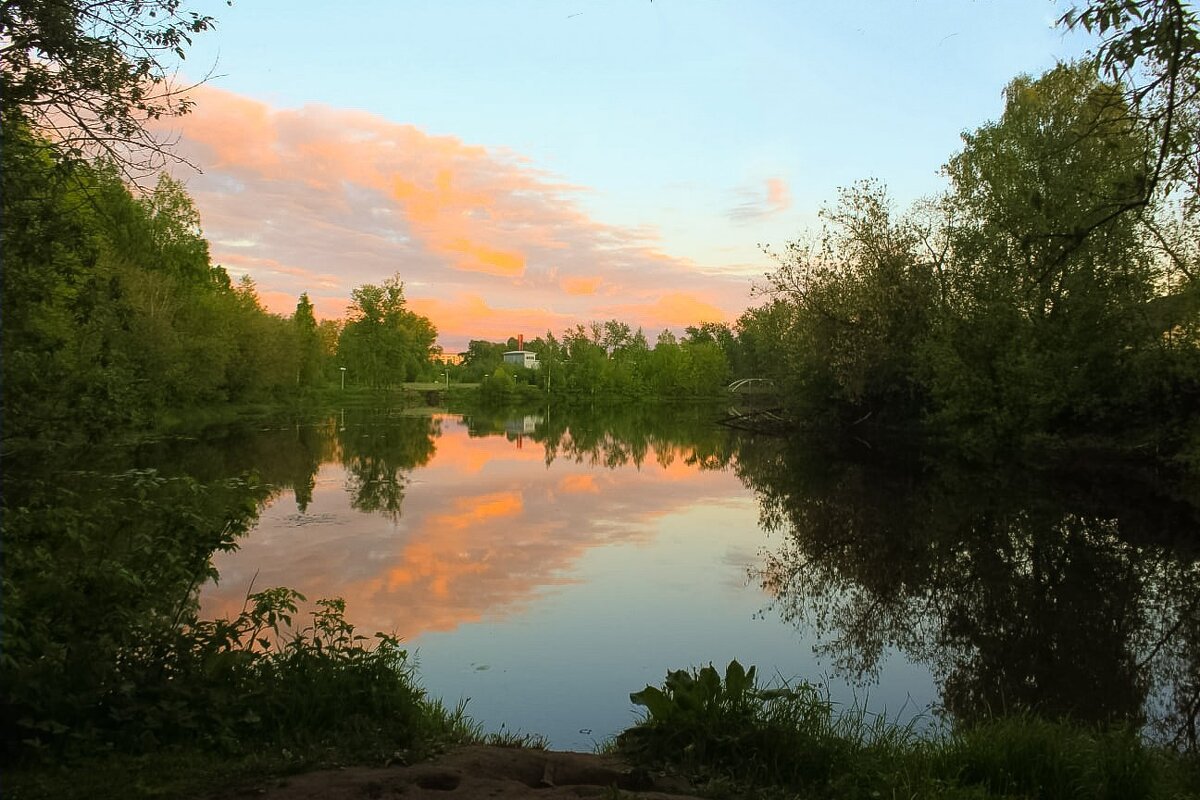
543	587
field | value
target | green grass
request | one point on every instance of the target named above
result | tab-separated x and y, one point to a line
255	698
738	738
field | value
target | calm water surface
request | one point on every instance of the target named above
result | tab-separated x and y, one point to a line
545	565
543	580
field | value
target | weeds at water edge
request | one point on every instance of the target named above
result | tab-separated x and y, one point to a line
734	736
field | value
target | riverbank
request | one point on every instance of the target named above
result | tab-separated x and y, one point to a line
114	680
1005	760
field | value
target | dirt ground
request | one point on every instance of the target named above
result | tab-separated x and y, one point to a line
475	773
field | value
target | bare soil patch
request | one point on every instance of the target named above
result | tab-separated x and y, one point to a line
478	772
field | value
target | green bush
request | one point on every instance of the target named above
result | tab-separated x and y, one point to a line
734	729
103	651
737	736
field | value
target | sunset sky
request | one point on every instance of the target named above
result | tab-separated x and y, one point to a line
526	166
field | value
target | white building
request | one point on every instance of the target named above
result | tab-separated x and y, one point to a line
522	358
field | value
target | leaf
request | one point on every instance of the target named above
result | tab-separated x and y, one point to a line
710	684
737	681
656	703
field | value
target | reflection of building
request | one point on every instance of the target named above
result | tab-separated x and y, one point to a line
526	424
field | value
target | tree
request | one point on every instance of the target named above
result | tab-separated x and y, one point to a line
308	343
481	358
498	387
384	343
857	305
90	75
1151	48
1048	289
112	312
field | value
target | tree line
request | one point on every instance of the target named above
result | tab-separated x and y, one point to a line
114	315
1049	293
611	360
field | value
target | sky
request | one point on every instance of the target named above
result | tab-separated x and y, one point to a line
525	167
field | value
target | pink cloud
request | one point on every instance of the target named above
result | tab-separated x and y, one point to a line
463	554
756	203
672	309
321	200
779	196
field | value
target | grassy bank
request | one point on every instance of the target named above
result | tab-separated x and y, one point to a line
222	701
728	736
737	738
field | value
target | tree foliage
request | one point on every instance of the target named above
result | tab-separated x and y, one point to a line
382	342
113	314
91	76
613	361
1030	300
1151	48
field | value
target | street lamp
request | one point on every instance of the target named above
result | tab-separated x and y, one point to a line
446	375
343	369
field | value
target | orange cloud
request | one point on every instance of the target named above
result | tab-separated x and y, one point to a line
321	200
485	259
573	484
443	215
676	308
473	313
581	285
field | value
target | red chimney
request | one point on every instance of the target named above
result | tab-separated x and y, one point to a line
520	341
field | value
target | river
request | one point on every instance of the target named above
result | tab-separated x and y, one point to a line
543	571
543	565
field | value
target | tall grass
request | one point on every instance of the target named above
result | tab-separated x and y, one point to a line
788	737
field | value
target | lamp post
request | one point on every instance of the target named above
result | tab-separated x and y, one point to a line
446	375
343	369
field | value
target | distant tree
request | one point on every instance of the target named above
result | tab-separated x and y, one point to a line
382	342
723	336
759	331
616	335
309	351
586	358
481	358
498	387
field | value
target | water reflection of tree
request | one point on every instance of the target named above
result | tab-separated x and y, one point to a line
1065	596
281	454
618	435
378	448
379	451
